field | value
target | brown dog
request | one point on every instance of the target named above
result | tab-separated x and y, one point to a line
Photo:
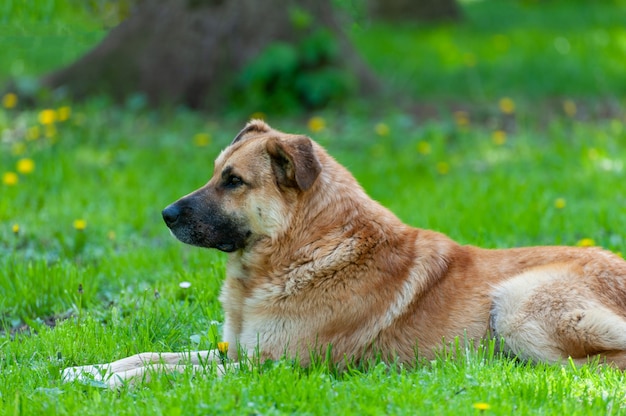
315	263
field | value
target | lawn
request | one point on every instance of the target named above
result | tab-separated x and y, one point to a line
83	247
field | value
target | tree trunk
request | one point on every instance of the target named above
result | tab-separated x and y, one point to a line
423	10
188	51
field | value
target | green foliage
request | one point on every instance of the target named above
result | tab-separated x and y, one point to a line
301	75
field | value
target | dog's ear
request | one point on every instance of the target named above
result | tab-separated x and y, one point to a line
253	126
294	162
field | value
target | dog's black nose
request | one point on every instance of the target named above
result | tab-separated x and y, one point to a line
171	215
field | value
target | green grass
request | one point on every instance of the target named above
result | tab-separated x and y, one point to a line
527	50
117	167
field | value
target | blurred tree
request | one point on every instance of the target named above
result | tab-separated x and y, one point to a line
190	51
426	10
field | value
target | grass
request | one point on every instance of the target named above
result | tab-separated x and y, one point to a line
110	281
525	49
42	35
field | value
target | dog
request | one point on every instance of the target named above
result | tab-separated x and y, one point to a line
317	267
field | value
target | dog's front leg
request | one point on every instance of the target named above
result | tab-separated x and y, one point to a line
136	366
144	374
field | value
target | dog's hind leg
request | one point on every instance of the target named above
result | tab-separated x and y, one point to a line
549	315
605	337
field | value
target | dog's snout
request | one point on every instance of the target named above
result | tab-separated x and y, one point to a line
171	214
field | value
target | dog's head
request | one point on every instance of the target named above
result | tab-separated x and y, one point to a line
256	181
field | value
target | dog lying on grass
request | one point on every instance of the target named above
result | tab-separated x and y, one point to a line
315	263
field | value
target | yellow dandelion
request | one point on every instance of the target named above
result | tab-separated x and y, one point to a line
443	168
481	406
25	166
461	118
469	59
569	107
9	100
33	133
18	148
586	242
47	116
64	113
424	148
10	178
79	224
382	129
201	139
316	124
222	347
15	228
559	203
498	137
258	115
111	235
507	106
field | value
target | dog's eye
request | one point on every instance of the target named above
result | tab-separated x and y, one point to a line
233	182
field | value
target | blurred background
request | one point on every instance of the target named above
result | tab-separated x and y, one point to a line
293	57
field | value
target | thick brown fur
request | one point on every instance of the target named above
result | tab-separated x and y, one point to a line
314	262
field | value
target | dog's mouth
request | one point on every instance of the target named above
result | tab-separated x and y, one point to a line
209	228
226	247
